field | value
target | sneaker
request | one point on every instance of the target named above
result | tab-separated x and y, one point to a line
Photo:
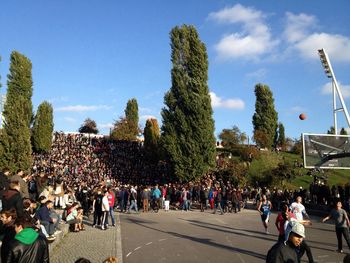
267	232
339	251
93	226
113	225
51	238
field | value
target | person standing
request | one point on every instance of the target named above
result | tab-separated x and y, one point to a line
264	208
111	201
21	177
12	198
342	225
105	211
97	208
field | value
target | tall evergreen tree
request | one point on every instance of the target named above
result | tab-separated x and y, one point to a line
43	128
188	126
281	141
151	135
265	117
132	117
16	139
89	126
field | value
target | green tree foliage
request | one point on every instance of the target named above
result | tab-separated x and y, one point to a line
132	116
16	135
151	144
232	138
122	131
343	131
265	117
331	130
188	126
89	126
281	141
43	128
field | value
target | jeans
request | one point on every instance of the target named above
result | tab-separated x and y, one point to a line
185	205
345	232
50	227
111	213
133	205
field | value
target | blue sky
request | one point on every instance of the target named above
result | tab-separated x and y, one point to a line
90	57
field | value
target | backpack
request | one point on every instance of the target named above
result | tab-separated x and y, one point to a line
32	186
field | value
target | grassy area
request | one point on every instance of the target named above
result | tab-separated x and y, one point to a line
268	159
333	176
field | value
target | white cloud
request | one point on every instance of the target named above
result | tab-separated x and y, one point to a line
298	26
81	108
255	39
70	120
218	102
297	109
146	117
258	74
105	125
298	34
344	89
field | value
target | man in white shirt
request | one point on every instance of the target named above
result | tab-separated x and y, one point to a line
105	210
298	209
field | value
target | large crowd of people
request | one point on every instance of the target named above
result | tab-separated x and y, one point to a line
84	176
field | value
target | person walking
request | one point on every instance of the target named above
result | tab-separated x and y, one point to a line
342	225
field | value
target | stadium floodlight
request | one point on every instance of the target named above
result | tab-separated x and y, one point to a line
335	88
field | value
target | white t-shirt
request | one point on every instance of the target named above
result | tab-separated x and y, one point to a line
298	210
105	204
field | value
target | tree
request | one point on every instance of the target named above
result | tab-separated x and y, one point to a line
89	126
331	130
132	116
281	141
122	131
265	116
151	144
231	138
43	128
16	135
188	126
343	131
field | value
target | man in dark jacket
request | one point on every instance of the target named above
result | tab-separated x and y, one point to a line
286	252
11	198
28	246
21	177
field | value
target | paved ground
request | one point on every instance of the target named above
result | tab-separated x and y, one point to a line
93	243
189	237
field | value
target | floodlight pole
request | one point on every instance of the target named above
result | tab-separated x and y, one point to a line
336	90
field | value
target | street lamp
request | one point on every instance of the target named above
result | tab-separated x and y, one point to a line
335	88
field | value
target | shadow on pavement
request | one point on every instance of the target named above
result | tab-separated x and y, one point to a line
205	241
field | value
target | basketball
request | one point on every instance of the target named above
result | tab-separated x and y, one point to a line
302	116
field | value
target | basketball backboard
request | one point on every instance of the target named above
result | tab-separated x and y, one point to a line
327	151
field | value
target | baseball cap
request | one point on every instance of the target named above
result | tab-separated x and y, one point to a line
296	228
